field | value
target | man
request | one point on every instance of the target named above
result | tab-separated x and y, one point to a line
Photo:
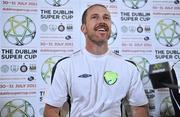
96	79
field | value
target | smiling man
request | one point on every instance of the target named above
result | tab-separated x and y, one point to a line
95	79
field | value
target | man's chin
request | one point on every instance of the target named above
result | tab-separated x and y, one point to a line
103	37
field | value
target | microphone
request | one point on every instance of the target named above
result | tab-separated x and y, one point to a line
176	1
161	76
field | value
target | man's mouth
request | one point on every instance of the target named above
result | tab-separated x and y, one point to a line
102	27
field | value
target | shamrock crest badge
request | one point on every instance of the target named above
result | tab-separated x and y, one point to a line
110	77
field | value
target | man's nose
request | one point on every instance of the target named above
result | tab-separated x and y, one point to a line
101	19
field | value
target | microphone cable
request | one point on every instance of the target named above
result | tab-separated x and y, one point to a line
175	99
171	86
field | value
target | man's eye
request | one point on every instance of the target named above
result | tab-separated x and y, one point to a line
94	17
107	18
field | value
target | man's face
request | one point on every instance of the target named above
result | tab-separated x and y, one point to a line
98	25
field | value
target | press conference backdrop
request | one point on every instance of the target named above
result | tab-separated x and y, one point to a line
35	34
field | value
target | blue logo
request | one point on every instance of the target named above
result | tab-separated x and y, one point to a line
84	75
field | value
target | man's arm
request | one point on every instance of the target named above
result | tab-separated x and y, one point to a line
140	111
51	111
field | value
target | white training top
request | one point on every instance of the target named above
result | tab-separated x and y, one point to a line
96	85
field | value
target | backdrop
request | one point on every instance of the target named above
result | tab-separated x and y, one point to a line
36	33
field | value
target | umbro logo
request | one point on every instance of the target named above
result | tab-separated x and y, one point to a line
84	75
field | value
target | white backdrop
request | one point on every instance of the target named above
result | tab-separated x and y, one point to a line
37	33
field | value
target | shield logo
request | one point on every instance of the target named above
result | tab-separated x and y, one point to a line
110	77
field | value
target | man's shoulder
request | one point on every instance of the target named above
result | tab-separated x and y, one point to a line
121	59
70	58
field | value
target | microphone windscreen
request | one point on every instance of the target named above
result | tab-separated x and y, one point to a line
160	74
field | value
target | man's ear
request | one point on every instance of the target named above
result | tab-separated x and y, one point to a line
83	28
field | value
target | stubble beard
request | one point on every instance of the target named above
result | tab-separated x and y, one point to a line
94	39
97	41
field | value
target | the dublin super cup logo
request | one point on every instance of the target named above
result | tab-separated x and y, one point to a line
167	32
46	69
143	66
57	3
113	34
17	108
19	30
166	108
135	4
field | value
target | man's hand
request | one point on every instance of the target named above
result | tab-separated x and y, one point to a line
51	111
140	111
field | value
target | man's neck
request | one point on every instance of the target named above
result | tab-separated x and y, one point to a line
97	50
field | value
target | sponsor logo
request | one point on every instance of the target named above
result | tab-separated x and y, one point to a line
84	75
4	68
23	68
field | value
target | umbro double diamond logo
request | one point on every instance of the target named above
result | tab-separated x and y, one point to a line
84	75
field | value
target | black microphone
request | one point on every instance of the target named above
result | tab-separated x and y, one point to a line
176	1
161	76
